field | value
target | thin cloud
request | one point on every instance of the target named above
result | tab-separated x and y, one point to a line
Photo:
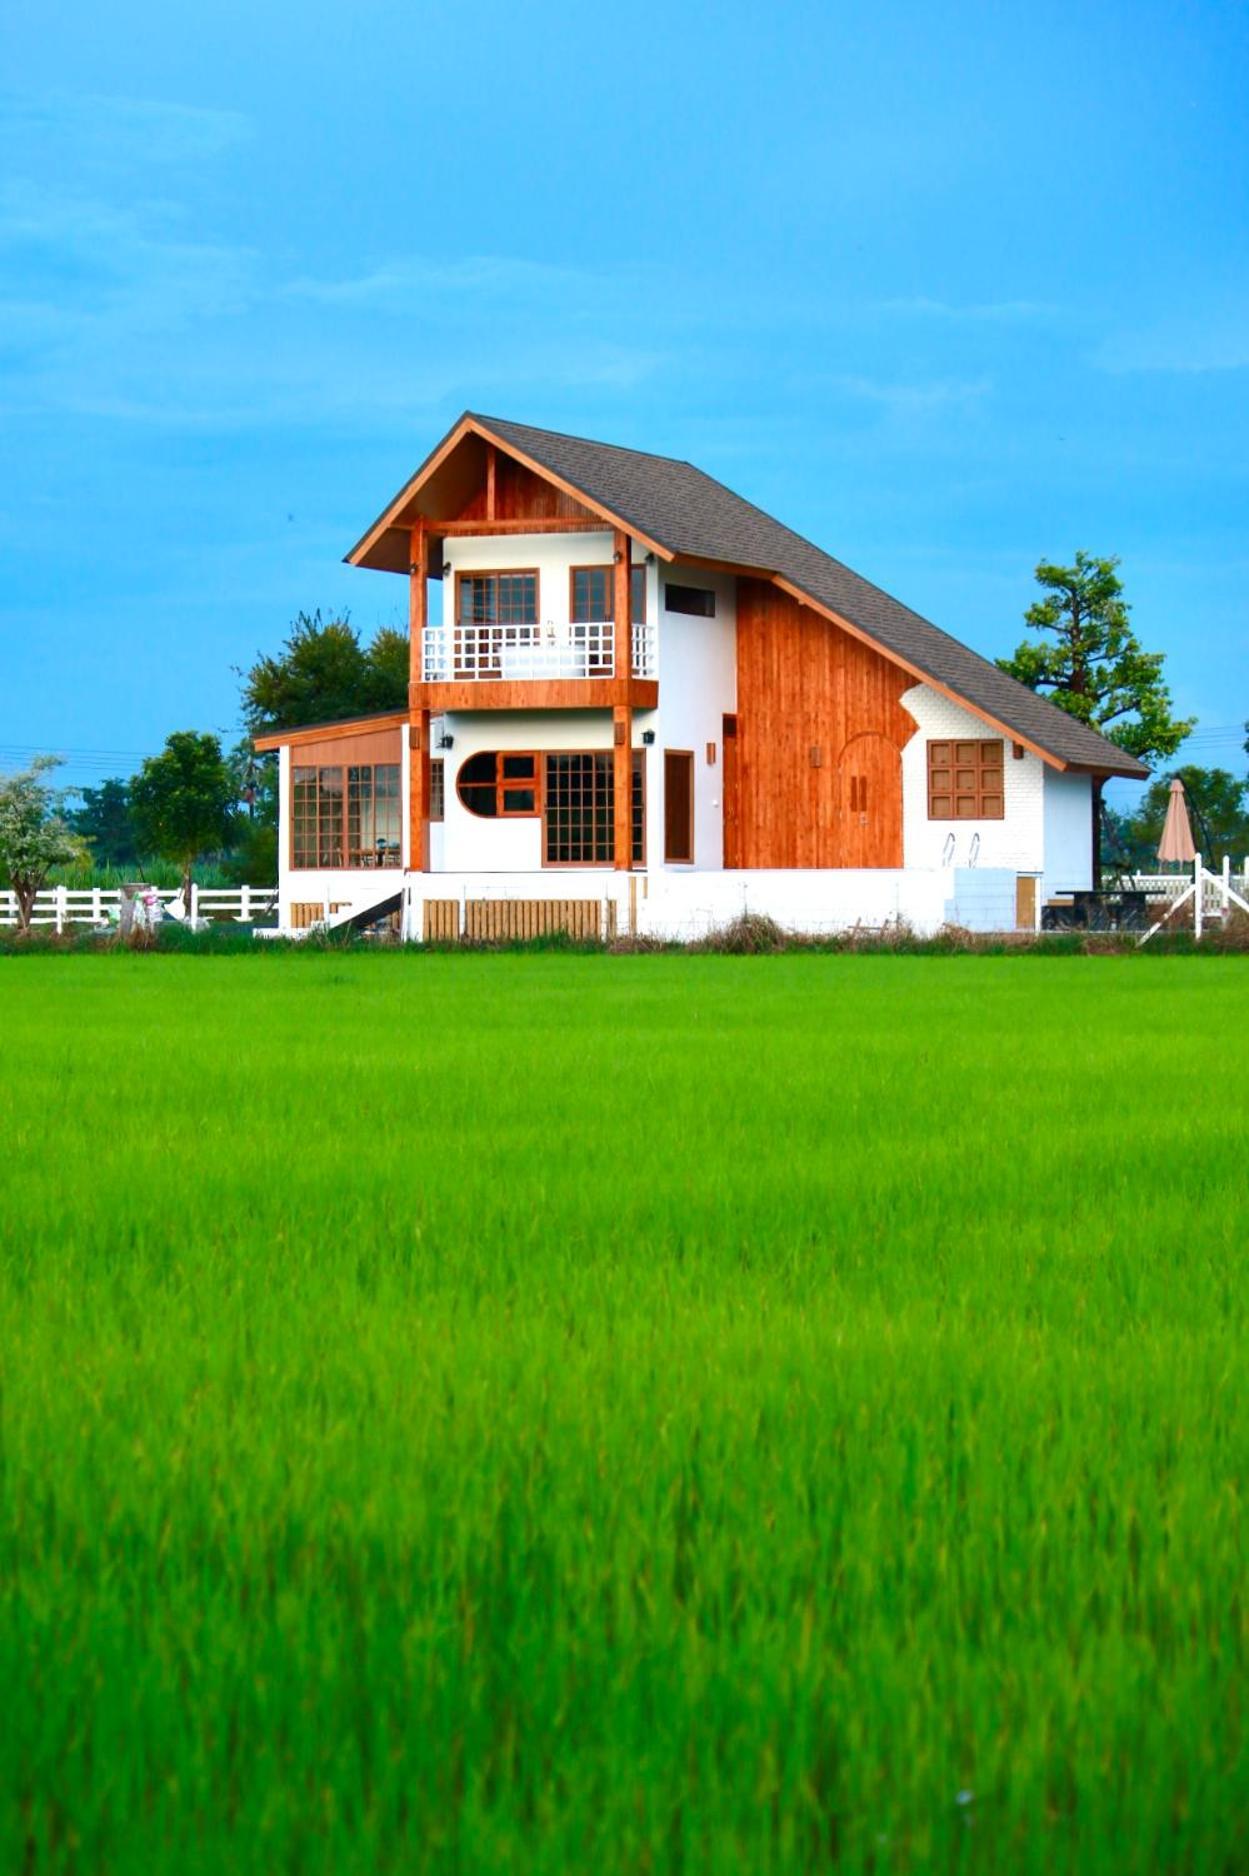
1215	342
992	312
147	131
910	400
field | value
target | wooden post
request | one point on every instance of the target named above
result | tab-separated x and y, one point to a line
418	715
622	712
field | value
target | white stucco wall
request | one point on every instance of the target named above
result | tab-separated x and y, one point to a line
1016	842
471	843
697	688
1068	833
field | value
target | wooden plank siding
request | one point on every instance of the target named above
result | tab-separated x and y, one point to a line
519	494
504	921
815	708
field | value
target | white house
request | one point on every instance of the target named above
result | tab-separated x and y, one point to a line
649	706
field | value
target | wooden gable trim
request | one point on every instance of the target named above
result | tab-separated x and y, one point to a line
329	732
469	426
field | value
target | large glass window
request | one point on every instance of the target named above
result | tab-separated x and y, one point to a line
579	809
345	816
498	598
592	597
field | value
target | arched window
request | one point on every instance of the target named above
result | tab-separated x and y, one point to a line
498	783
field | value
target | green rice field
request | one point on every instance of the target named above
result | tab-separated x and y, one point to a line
552	1413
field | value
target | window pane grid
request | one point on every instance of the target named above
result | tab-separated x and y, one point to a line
366	834
965	781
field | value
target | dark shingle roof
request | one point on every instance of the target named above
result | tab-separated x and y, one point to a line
690	513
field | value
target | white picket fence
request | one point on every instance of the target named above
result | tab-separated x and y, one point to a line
1213	896
63	906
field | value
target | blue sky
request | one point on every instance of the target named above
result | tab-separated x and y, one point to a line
950	288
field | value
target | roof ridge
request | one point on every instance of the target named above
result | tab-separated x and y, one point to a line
595	442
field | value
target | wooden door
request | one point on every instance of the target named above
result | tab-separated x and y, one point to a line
729	789
869	780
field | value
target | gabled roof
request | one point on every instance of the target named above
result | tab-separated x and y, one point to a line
685	514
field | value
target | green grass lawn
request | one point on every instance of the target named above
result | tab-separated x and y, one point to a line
563	1413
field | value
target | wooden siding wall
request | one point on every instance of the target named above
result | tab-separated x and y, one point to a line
805	692
520	495
366	746
503	921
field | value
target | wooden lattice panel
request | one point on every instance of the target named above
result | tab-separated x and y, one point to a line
504	921
306	912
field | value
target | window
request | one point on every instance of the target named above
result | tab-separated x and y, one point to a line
592	597
578	822
965	781
437	791
346	816
498	598
678	806
700	600
499	783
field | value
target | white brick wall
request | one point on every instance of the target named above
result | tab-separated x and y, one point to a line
1016	842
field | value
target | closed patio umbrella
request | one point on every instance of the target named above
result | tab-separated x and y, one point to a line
1177	835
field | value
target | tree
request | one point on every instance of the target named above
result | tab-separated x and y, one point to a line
183	802
323	673
254	859
1090	663
105	822
34	834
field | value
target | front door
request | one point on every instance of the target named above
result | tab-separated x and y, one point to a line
870	802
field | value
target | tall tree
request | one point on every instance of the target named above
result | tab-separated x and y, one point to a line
105	822
183	802
34	834
1090	662
323	672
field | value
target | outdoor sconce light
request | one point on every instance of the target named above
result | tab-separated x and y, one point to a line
446	568
446	741
648	737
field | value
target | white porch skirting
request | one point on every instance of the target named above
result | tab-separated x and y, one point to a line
677	905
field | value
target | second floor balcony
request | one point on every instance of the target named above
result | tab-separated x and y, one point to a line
533	653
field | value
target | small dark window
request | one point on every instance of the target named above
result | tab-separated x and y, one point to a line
699	600
592	599
437	791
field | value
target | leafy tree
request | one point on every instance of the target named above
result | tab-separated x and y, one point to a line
323	673
183	801
34	834
105	822
1090	663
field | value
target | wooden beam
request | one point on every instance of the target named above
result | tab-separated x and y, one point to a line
418	792
418	562
555	693
622	792
492	461
418	731
536	524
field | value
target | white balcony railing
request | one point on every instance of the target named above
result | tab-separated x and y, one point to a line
478	654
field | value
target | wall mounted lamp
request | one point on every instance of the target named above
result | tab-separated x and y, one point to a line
648	737
446	740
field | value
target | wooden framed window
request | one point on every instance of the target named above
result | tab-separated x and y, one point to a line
437	790
591	595
965	781
507	598
698	600
346	816
500	784
579	798
678	806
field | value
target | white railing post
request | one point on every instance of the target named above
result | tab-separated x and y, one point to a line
192	911
97	906
1227	883
62	908
245	903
